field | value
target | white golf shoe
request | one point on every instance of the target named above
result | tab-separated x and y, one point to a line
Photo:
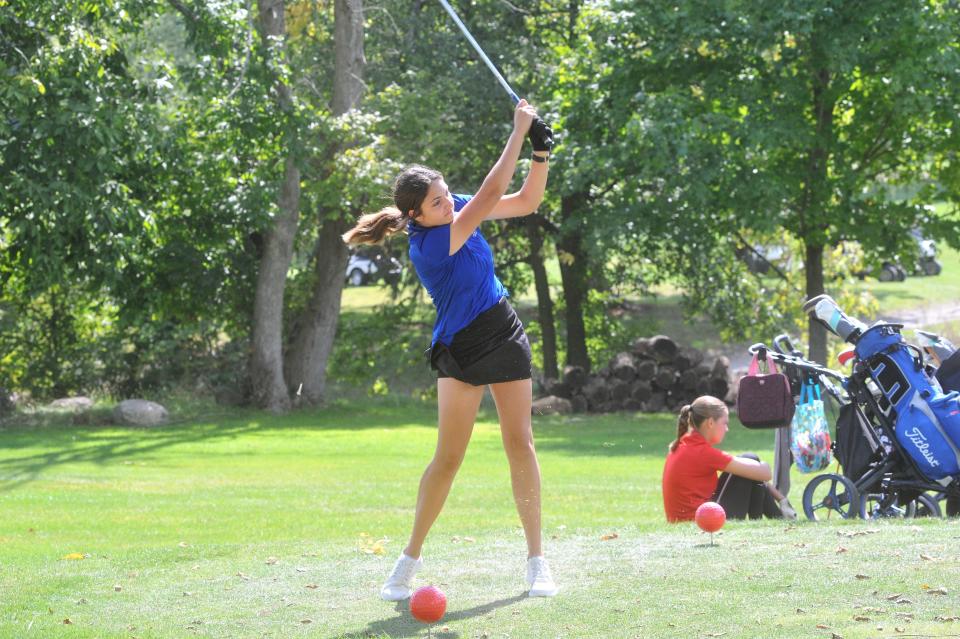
397	587
539	578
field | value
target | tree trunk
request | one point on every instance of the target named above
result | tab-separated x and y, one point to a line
816	196
816	333
548	328
317	325
266	359
573	274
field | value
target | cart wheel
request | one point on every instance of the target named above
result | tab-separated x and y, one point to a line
927	506
881	505
831	494
932	267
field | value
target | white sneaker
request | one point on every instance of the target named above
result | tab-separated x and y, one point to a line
397	587
539	578
787	509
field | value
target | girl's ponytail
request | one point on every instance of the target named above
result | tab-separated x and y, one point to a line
683	426
372	228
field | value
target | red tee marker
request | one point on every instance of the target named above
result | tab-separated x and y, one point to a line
427	604
710	517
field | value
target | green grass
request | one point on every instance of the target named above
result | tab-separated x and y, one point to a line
918	291
259	526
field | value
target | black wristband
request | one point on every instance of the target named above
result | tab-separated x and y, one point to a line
539	158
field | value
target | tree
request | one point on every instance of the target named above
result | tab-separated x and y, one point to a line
795	118
312	341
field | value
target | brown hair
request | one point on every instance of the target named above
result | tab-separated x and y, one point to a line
693	415
409	190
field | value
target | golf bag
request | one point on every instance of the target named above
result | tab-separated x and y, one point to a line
926	420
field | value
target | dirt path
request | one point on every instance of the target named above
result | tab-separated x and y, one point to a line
924	315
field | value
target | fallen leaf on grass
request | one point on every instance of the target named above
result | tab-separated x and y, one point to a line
75	556
834	635
860	618
243	576
904	600
926	557
840	549
609	536
861	576
469	540
942	618
272	561
306	621
183	544
899	629
312	586
823	626
117	587
894	597
67	621
937	591
801	611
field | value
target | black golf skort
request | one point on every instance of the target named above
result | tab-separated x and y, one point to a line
490	350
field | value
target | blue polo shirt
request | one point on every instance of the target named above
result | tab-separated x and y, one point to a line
461	285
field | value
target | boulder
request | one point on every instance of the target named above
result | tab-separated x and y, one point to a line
140	412
72	403
552	405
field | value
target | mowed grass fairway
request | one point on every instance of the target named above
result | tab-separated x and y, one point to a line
259	526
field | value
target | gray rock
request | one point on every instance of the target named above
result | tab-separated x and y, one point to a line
552	405
140	412
72	403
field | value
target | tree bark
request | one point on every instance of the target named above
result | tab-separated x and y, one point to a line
816	194
548	327
266	359
573	274
816	333
316	328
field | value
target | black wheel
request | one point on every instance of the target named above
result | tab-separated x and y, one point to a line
932	267
901	272
831	495
881	505
355	278
927	506
887	273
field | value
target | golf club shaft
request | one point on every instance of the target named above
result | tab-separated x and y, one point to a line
483	56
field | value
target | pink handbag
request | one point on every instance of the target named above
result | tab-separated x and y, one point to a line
764	401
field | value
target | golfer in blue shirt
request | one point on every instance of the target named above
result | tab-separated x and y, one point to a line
478	341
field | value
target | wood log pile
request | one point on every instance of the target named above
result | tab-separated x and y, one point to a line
655	375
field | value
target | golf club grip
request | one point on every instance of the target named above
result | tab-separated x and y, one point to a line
483	56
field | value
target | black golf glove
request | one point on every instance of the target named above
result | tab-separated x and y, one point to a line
541	135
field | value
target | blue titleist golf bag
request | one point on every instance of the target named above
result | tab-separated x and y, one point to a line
926	420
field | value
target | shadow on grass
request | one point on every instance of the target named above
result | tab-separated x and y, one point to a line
96	446
404	625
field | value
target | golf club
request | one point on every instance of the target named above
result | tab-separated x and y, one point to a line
483	56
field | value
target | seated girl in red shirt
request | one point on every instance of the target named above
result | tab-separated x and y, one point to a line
690	473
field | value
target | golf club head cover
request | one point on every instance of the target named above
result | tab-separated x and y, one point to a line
541	135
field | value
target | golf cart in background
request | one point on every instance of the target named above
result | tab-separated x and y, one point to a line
763	257
926	264
370	264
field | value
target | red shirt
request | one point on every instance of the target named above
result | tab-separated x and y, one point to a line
690	476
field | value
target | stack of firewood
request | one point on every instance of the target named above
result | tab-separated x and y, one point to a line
656	375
